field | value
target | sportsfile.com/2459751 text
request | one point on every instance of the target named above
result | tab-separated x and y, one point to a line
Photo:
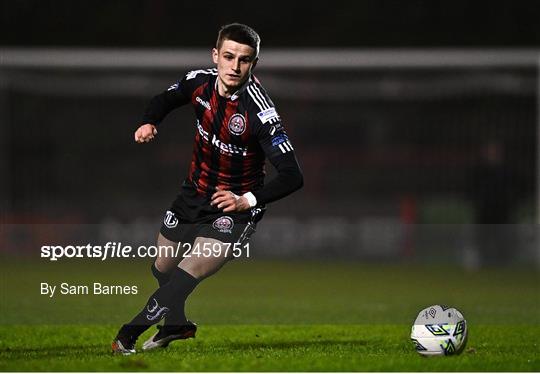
118	250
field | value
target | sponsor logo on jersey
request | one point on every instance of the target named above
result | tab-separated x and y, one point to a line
237	124
170	220
173	87
223	224
224	148
268	115
228	148
205	104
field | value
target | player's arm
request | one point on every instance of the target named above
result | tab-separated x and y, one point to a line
289	179
279	151
158	108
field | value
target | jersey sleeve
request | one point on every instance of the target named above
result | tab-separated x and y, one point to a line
175	96
279	150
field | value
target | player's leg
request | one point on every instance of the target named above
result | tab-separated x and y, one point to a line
165	261
194	267
205	264
163	267
170	298
172	281
199	265
213	247
167	299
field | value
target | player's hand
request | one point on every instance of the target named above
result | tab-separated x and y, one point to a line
145	133
229	202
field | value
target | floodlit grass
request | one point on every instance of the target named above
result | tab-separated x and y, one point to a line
272	316
267	348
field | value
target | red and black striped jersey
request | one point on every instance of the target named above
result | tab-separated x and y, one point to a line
233	135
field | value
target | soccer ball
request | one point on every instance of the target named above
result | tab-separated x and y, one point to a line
439	330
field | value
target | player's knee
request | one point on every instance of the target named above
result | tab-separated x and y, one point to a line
161	265
194	269
165	261
162	276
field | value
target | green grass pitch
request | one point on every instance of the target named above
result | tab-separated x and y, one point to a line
259	315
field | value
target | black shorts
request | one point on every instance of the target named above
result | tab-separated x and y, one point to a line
192	216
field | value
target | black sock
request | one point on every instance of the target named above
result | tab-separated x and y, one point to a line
169	298
177	316
162	278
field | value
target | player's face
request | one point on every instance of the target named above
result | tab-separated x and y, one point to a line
234	64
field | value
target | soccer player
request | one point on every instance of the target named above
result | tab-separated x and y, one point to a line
225	194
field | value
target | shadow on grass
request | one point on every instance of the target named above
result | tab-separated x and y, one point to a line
102	350
56	351
234	346
295	344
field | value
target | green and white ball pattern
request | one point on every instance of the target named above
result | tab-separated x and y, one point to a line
439	330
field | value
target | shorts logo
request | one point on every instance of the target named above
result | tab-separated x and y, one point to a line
170	220
237	124
223	224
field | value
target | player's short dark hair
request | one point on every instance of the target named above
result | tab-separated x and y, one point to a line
241	34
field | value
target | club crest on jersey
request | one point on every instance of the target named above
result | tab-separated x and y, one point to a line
170	220
237	124
223	224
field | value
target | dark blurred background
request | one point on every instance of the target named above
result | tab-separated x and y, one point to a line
415	122
372	23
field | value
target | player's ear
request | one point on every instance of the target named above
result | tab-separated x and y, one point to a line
254	63
215	55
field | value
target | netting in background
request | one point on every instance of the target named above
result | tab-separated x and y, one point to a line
388	152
